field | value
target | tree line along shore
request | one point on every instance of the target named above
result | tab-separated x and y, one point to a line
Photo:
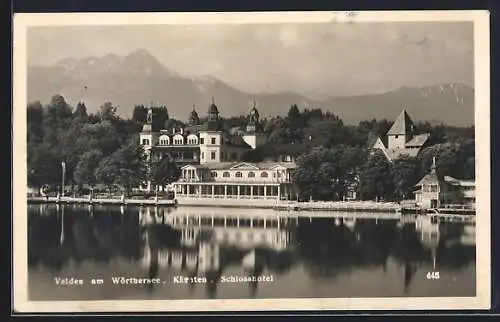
101	151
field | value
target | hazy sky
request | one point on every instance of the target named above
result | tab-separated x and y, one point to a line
323	59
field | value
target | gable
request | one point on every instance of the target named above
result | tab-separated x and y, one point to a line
188	167
277	167
244	166
378	144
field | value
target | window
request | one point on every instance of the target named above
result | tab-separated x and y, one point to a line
145	141
213	174
178	141
396	136
251	175
264	175
226	174
202	141
212	155
213	141
238	174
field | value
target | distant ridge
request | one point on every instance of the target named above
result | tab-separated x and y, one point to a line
139	78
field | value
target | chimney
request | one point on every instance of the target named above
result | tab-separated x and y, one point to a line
182	130
173	130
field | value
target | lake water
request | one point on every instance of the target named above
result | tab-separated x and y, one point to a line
220	253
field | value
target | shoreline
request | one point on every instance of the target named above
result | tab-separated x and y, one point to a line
270	204
344	206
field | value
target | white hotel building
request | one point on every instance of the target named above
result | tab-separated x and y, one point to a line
212	161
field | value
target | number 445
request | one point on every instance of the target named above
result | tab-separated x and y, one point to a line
432	275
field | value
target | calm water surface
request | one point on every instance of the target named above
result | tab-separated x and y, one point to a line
299	255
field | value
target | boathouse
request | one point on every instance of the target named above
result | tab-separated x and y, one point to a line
434	191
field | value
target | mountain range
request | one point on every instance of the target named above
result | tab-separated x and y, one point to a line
139	78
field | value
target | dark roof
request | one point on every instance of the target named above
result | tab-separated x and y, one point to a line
372	138
282	149
430	178
213	108
194	114
418	140
212	125
234	165
235	140
402	125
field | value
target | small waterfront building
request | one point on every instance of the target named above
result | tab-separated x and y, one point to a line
435	191
401	139
237	180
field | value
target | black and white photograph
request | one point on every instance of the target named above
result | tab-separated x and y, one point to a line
251	161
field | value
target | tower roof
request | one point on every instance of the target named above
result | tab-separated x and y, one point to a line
432	177
213	108
194	113
402	125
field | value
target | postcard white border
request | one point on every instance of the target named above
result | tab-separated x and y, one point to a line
480	18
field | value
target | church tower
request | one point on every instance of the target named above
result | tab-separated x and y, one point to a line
401	131
148	138
211	137
254	133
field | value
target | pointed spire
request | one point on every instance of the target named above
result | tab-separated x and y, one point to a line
194	108
402	125
433	166
213	100
253	103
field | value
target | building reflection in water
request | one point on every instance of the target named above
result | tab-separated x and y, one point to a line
210	242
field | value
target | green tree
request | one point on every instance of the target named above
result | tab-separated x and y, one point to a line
107	112
85	172
326	174
80	112
164	172
35	113
294	118
44	166
100	136
132	166
58	113
405	173
376	178
107	172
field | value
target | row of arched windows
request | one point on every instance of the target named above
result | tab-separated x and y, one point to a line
178	140
239	174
